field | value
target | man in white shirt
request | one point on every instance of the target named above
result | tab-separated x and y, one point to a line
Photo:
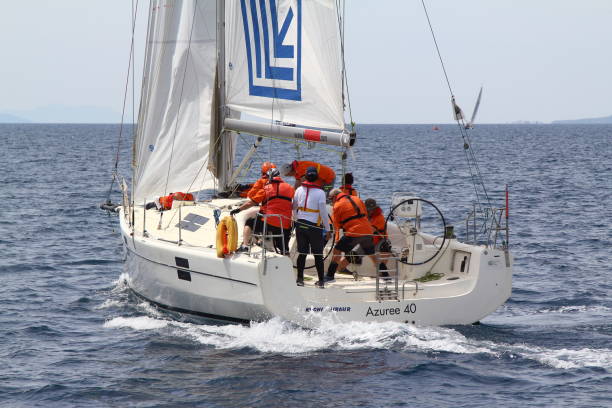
311	225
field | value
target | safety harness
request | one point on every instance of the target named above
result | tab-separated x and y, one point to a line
358	212
305	208
278	195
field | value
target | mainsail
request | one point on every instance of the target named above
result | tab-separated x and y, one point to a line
283	61
174	126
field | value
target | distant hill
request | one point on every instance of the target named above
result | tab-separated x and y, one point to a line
604	120
8	118
64	114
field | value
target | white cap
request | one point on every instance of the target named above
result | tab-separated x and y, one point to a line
285	169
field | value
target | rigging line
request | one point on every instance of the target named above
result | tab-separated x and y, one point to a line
460	121
133	71
472	161
150	77
178	112
127	81
345	85
437	48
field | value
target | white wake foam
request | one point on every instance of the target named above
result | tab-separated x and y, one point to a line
576	309
278	336
136	323
120	284
109	303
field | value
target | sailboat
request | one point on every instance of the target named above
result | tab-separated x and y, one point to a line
273	69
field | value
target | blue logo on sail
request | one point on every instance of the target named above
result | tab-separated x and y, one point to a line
273	38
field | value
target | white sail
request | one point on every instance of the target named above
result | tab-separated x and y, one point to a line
470	124
172	143
284	62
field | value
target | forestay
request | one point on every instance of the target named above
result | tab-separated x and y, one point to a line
172	142
284	62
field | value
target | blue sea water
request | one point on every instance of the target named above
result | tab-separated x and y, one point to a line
72	334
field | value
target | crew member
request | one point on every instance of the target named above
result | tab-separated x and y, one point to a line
326	175
256	191
347	185
255	195
277	206
381	241
350	215
312	224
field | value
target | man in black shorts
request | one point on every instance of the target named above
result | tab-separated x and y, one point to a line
350	215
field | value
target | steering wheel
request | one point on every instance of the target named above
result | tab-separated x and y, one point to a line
392	217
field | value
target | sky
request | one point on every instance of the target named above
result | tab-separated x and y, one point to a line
538	60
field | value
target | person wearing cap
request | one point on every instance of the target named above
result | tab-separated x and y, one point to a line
277	206
297	169
311	225
379	223
347	185
350	215
255	195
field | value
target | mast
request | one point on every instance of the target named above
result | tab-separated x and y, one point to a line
225	157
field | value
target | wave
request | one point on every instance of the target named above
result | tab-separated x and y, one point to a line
282	337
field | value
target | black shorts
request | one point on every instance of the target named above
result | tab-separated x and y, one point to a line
257	226
347	243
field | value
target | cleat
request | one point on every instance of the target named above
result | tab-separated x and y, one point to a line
329	278
299	283
320	284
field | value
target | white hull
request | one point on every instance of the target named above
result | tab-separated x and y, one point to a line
190	278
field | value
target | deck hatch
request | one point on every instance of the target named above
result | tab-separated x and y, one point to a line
192	222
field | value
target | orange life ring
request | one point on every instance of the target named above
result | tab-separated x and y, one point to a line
227	236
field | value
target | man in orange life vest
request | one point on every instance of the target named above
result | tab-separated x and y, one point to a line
381	241
347	185
277	206
255	195
326	175
311	225
350	215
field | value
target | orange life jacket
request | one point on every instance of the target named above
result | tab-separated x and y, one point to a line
278	200
350	214
348	189
256	192
166	201
377	219
326	174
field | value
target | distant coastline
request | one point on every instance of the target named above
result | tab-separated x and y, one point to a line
63	114
594	121
8	118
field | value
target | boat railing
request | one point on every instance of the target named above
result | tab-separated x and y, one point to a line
265	235
488	227
387	287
